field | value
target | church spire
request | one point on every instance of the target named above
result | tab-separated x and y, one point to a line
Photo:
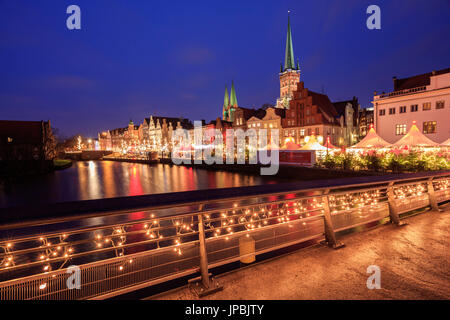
289	57
226	98
233	99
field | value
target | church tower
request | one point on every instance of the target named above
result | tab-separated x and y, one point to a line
289	74
233	103
226	105
230	104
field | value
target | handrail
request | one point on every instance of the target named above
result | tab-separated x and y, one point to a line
152	248
121	205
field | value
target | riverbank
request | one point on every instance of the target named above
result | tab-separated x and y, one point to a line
284	172
130	160
61	164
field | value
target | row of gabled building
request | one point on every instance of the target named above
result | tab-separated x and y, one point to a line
152	133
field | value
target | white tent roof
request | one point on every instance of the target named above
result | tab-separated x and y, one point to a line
371	140
312	144
291	146
446	142
415	138
329	145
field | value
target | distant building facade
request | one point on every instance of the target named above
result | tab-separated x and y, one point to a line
241	116
153	134
366	120
26	140
348	113
269	119
422	98
312	113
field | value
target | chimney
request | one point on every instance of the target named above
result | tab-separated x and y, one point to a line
394	79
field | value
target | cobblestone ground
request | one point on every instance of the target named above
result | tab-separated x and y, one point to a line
414	264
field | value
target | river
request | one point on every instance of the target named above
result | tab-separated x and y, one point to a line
107	179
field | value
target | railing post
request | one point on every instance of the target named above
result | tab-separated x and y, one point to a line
330	236
208	286
432	195
393	210
203	254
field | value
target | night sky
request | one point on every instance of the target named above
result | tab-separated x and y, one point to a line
174	58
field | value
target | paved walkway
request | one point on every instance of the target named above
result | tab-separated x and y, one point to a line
414	263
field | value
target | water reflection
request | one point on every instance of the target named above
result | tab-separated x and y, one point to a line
106	179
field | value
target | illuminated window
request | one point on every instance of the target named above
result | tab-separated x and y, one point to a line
302	132
427	106
400	129
440	104
429	127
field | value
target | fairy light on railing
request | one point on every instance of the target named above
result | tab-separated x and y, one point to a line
403	192
8	259
150	233
50	251
251	218
53	252
441	185
353	200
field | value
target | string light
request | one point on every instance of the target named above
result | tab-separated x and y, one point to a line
52	252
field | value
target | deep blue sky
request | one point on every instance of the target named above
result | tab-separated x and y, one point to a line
173	58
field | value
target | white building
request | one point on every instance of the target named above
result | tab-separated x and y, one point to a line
424	99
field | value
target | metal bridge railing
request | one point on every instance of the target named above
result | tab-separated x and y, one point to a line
144	247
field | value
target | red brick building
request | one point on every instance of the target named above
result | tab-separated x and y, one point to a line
311	113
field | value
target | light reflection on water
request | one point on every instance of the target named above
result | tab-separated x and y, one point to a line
106	179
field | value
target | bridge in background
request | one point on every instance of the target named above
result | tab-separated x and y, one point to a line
123	244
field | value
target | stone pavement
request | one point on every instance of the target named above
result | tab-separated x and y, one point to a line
414	264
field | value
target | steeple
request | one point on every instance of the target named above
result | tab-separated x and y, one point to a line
289	57
226	99
233	99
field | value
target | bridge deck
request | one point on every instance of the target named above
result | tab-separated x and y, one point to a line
414	263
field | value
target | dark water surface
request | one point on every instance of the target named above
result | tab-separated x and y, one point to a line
107	179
